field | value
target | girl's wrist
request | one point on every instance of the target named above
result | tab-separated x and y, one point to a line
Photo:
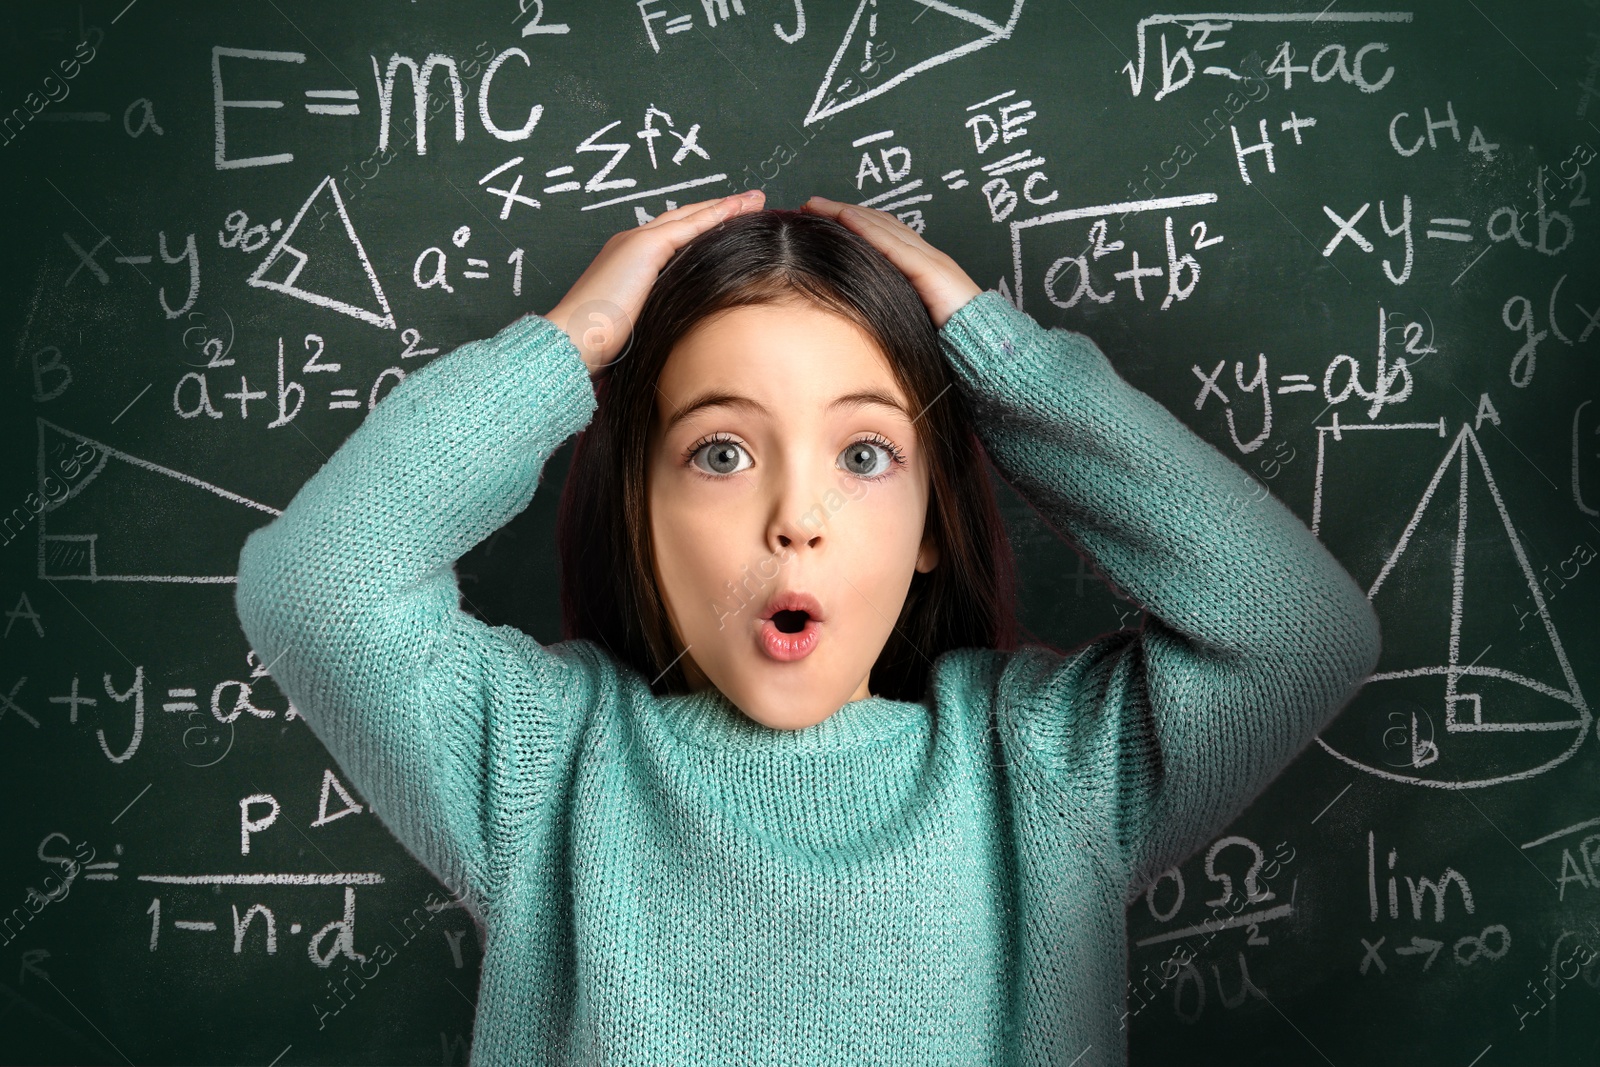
960	298
592	358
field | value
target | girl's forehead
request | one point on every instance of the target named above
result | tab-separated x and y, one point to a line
775	365
773	344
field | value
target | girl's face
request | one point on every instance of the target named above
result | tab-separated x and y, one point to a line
783	459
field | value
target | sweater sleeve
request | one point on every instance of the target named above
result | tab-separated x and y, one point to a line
1256	636
452	729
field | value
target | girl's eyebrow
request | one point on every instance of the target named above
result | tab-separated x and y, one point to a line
861	398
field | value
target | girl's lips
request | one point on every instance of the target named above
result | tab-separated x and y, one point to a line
794	600
786	648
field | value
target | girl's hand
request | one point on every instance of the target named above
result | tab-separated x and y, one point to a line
599	310
938	279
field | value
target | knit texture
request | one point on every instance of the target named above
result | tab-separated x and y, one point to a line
666	881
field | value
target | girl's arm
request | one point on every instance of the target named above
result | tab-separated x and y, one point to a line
350	598
1256	636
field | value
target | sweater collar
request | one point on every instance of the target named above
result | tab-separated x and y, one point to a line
709	719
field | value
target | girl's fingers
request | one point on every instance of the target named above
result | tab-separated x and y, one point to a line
679	231
686	210
886	232
599	310
905	248
938	279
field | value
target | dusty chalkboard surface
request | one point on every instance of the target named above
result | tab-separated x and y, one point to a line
1354	249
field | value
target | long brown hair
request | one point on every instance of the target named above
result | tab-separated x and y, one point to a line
608	593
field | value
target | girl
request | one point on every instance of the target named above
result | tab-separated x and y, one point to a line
785	794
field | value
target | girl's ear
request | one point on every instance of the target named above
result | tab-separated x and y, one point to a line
928	554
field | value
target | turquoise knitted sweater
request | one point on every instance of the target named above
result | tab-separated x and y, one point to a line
666	881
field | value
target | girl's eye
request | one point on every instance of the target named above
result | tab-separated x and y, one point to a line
858	457
721	452
870	457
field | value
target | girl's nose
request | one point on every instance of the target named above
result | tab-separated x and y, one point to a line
802	519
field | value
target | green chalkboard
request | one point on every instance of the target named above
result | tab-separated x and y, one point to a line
1354	249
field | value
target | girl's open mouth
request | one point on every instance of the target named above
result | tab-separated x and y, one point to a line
789	635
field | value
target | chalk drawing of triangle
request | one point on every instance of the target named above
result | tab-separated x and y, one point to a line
324	273
1460	549
127	519
350	805
954	31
